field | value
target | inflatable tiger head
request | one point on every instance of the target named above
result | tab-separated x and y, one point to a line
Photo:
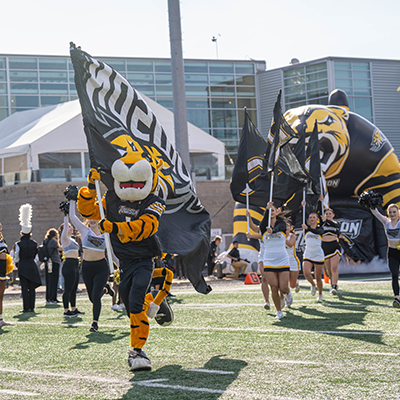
333	135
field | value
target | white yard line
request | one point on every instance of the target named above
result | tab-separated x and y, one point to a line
18	393
209	371
372	353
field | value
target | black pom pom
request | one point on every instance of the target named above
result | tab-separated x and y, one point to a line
64	207
71	192
370	199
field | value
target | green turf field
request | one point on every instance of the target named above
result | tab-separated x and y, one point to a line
220	346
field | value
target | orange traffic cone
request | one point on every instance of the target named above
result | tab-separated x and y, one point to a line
251	279
326	278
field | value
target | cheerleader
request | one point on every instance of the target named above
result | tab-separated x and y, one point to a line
276	259
331	248
313	254
3	274
294	261
392	228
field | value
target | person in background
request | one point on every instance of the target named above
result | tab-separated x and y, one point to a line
212	256
236	262
294	261
52	266
3	274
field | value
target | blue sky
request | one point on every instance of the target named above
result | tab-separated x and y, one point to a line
271	30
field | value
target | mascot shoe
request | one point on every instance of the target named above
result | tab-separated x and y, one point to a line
164	316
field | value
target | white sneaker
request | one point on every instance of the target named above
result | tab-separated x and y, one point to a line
289	299
267	306
297	289
211	277
121	306
283	302
279	315
115	307
334	290
4	323
320	298
138	361
313	290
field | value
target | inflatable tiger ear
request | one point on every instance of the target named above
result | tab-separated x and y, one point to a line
136	175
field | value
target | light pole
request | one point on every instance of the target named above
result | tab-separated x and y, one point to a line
215	40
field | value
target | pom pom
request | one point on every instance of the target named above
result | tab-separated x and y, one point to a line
370	199
64	207
71	192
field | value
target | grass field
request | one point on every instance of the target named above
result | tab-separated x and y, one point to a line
220	346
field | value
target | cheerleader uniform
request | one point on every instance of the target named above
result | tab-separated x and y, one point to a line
3	263
313	252
331	228
294	262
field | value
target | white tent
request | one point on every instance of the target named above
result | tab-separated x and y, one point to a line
59	129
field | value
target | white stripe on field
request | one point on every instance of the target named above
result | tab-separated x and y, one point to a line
154	383
371	353
18	393
209	371
291	362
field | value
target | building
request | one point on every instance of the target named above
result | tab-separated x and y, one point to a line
371	85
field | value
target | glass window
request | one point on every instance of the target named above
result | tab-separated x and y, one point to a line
223	103
24	88
316	67
224	119
221	80
362	91
146	90
361	83
134	79
231	146
361	74
319	100
246	91
3	76
51	100
53	88
145	66
223	91
295	89
3	88
295	97
164	79
221	68
225	134
360	65
119	65
23	76
252	114
196	90
243	69
342	74
162	66
196	79
72	88
52	63
200	118
317	76
317	85
3	113
317	93
53	76
191	66
166	102
249	103
3	101
297	80
349	91
295	104
245	80
53	165
24	101
2	63
197	102
363	106
164	91
22	63
293	72
343	82
342	64
71	76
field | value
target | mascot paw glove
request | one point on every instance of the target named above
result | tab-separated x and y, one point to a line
153	310
93	176
71	192
107	226
64	207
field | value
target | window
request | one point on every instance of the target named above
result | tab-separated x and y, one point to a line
24	101
163	79
23	76
221	80
146	90
145	66
3	101
197	102
221	68
2	63
3	113
162	66
53	88
22	63
3	76
224	119
49	76
223	103
243	69
196	79
245	80
24	88
53	165
3	88
200	118
53	63
51	100
222	91
141	79
190	66
118	65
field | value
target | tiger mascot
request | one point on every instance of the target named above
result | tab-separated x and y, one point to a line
133	211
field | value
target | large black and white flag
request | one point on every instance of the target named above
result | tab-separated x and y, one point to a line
117	121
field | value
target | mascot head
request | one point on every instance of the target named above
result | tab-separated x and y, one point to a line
334	139
135	175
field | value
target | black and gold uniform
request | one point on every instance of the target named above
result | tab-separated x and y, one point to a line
331	228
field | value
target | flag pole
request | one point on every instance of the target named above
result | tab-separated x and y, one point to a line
270	197
322	191
247	207
106	235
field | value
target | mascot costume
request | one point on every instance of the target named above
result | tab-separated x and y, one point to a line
132	213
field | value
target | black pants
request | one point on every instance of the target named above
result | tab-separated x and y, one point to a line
70	272
394	262
52	281
210	265
28	293
135	280
95	275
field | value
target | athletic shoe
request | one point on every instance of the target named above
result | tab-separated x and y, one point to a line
94	327
396	303
211	277
121	306
289	299
279	315
77	312
297	289
320	298
164	316
313	290
283	303
69	314
267	306
4	323
138	361
333	290
109	289
115	307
